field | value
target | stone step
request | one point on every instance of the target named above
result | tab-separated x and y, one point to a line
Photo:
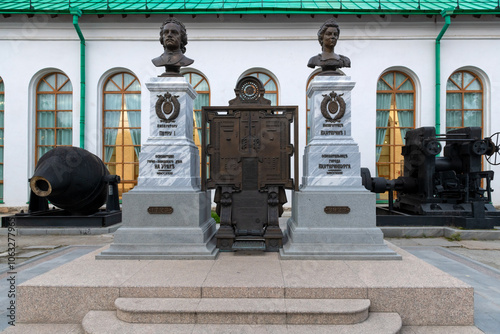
268	311
106	322
249	245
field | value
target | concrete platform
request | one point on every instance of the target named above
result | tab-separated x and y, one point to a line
101	321
419	293
25	231
439	231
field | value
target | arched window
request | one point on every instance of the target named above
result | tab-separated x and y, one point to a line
54	116
270	86
201	86
2	90
308	109
395	116
464	100
122	128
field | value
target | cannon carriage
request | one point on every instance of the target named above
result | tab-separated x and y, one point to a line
77	183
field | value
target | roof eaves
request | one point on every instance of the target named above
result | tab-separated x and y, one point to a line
340	7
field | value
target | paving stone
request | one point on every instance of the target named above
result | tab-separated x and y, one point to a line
313	279
42	247
440	330
234	276
437	242
480	244
29	255
168	279
45	329
488	257
483	278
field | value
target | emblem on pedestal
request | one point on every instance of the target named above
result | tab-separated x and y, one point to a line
167	107
333	104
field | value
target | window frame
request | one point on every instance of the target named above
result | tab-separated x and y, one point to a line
56	92
204	78
2	145
308	107
463	90
122	91
190	72
393	110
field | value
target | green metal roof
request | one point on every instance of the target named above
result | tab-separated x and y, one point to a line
251	6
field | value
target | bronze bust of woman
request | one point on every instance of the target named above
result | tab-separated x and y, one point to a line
328	60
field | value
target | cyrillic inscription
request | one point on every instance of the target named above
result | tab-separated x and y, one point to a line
333	164
164	164
160	210
337	210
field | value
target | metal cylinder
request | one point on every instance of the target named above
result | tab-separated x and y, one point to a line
72	179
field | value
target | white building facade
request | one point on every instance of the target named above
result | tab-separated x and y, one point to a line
393	64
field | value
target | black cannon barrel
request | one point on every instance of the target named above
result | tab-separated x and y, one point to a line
72	179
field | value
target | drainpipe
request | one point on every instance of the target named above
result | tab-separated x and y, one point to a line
76	12
446	14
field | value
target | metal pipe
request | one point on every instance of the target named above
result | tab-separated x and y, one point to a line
446	14
76	12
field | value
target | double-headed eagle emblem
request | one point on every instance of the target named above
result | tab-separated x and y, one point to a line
333	104
167	107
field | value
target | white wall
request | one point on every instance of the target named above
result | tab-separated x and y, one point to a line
223	48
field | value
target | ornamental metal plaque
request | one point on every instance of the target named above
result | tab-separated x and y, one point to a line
160	210
249	154
337	210
250	129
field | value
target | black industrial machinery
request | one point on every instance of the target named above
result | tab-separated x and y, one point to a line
250	152
448	190
76	182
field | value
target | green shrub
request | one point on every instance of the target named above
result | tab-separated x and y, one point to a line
455	237
216	217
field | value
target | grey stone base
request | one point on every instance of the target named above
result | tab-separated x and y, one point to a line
186	233
161	243
439	231
314	234
63	230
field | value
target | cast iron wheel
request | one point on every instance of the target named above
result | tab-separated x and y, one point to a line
494	159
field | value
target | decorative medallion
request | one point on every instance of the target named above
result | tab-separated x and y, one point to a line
167	107
233	167
249	91
333	104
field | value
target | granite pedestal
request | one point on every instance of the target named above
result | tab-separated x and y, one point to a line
167	216
419	293
333	215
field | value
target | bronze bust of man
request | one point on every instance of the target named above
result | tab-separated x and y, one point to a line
328	60
173	37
